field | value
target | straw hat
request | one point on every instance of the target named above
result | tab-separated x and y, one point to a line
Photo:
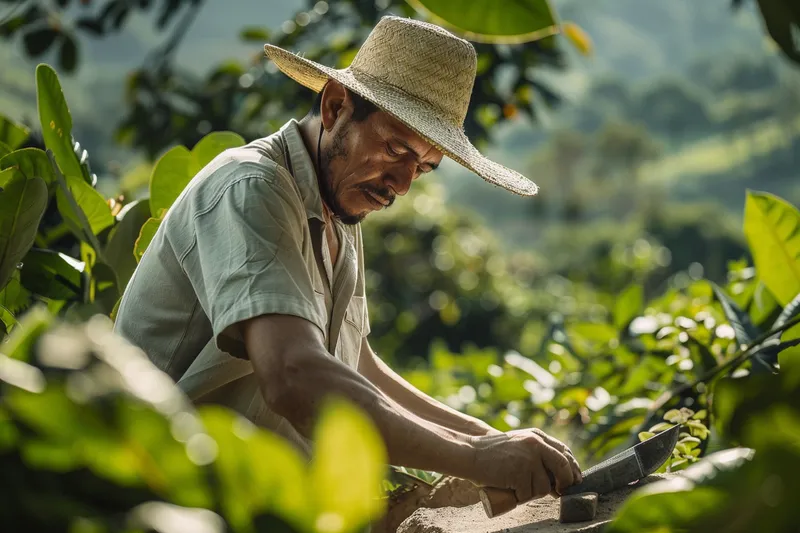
422	75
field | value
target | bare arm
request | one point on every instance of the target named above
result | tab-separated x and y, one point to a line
296	373
414	400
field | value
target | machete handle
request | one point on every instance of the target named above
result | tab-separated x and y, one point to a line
497	501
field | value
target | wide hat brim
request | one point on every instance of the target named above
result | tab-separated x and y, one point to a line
413	112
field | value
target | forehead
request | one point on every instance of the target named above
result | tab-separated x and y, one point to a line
389	126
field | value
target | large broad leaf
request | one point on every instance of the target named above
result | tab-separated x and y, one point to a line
347	446
772	227
175	169
628	305
122	240
4	149
509	21
94	210
56	120
12	134
146	235
22	204
52	275
782	18
31	162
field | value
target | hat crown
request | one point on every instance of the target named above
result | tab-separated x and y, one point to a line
422	60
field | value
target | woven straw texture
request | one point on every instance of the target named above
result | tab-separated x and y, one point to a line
422	75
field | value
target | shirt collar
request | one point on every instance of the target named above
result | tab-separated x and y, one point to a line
303	169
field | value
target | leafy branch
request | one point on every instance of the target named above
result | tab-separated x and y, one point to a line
738	359
79	214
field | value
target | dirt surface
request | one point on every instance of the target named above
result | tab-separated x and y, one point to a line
538	516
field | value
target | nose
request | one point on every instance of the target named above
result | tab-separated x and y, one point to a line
400	180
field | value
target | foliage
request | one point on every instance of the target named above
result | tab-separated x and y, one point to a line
647	364
93	436
167	105
512	22
80	406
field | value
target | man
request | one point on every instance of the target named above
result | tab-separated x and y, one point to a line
251	294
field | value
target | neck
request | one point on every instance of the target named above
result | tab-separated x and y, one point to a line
310	131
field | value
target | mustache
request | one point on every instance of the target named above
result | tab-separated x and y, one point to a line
383	192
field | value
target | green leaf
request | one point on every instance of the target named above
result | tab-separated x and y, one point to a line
682	503
22	204
489	21
14	297
347	446
146	235
212	145
176	168
248	490
644	435
93	206
7	175
772	227
7	322
628	306
4	149
11	133
739	320
56	120
782	19
171	174
30	327
789	361
53	275
31	162
122	240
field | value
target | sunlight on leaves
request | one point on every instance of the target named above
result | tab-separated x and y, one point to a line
348	469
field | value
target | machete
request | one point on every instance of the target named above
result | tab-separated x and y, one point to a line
628	466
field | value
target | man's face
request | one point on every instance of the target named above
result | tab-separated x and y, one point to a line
366	164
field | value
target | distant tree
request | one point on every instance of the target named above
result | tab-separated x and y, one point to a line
167	105
621	149
560	165
675	108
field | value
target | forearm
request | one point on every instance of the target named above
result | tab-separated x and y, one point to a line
419	403
411	441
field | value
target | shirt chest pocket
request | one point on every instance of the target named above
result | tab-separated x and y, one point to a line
353	331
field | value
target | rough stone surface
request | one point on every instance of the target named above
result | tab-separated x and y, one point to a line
578	507
539	516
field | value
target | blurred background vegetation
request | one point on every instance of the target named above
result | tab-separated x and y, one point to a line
573	310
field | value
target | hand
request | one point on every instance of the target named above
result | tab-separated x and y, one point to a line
523	461
564	449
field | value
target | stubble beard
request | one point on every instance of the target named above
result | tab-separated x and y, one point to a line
336	150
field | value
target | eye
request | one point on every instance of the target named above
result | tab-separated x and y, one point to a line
391	151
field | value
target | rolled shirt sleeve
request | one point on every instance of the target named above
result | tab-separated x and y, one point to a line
247	257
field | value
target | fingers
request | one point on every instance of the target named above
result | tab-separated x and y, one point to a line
563	448
524	487
558	464
540	481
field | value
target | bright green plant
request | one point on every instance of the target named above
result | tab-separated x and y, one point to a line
91	431
61	242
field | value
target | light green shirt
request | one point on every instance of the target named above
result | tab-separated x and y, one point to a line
245	238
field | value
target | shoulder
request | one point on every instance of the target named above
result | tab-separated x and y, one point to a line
254	172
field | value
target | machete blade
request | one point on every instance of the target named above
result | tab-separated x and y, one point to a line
628	466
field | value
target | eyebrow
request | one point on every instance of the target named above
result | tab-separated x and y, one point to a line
433	166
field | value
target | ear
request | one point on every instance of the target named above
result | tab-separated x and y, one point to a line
335	103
